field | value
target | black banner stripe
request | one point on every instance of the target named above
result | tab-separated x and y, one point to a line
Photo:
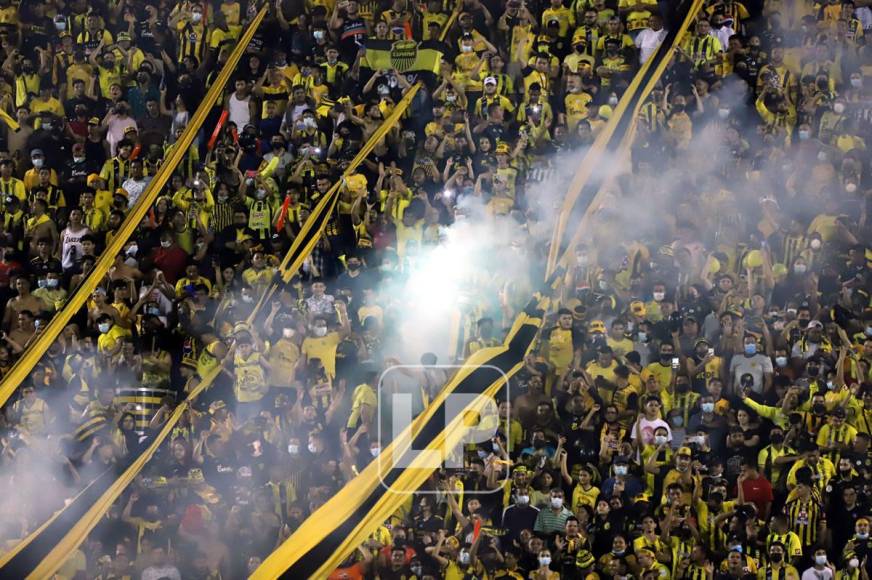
476	383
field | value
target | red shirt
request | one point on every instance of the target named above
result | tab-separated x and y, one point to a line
758	491
354	572
171	261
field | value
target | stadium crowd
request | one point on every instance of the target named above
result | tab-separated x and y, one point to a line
699	404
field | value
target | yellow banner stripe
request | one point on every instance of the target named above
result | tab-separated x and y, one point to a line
593	158
45	339
83	527
341	506
94	515
627	141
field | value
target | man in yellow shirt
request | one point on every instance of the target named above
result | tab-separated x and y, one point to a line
321	343
605	364
10	185
560	342
111	335
363	403
836	436
563	15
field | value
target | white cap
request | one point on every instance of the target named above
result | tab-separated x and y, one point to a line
490	80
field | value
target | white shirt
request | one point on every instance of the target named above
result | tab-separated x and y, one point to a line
240	113
648	427
155	573
71	246
647	41
134	188
815	574
723	35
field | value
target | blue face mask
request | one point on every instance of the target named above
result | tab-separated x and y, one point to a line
751	349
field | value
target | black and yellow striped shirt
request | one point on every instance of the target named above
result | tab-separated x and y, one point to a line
804	517
791	248
192	42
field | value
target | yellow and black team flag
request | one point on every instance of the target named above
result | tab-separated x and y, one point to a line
304	243
416	60
584	185
335	530
44	551
23	558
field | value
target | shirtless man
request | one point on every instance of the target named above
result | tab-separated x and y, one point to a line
24	301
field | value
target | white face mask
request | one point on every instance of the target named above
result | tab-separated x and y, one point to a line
374	451
660	439
620	470
319	331
104	327
820	559
815	244
166	244
523	499
799	268
52	282
544	561
856	83
708	407
781	361
642	336
464	558
312	448
853	563
288	332
37	162
293	449
196	16
804	135
557	502
613	101
78	159
319	35
247	298
131	251
822	156
659	296
839	108
850	187
466	48
723	113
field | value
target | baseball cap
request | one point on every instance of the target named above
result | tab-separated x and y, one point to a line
94	121
37	153
490	81
637	307
597	326
685	451
812	324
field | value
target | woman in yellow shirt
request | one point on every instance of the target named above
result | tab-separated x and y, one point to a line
584	493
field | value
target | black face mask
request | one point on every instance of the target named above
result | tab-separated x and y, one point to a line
538	444
666	358
776	557
813	371
819	408
777	438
